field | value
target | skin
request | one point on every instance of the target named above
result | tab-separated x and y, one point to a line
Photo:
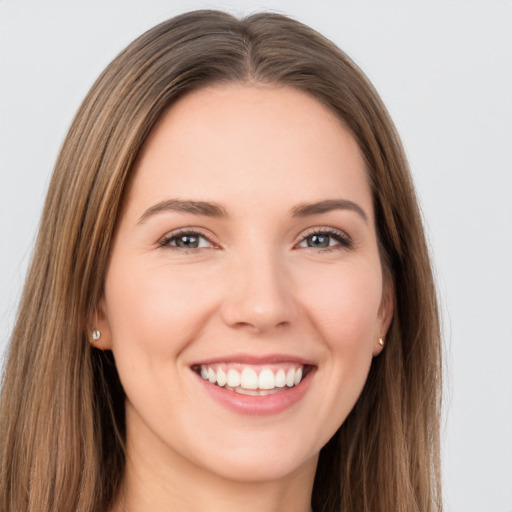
253	286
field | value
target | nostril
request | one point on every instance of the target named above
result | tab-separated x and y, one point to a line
259	326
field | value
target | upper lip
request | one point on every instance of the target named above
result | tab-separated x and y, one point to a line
252	359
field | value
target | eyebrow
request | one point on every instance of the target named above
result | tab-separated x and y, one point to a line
210	209
178	205
307	209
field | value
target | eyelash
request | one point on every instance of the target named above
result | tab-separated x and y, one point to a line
344	241
166	240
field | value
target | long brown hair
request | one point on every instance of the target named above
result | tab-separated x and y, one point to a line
62	406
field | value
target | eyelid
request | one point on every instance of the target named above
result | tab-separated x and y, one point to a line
344	240
164	240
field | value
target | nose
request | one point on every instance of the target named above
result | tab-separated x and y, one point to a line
258	293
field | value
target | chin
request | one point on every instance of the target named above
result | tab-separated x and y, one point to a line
271	467
259	456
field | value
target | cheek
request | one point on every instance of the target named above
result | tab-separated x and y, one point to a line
343	302
154	311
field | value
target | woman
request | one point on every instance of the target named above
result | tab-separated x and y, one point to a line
231	301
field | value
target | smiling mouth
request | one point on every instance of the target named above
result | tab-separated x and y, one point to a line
261	380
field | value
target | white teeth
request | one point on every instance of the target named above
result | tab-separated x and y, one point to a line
254	392
290	377
222	378
266	379
249	382
233	378
298	376
280	379
249	379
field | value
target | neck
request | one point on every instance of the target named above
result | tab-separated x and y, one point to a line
144	490
195	496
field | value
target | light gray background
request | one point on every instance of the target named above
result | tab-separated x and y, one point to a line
444	70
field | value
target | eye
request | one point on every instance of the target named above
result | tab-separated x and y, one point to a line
186	240
325	239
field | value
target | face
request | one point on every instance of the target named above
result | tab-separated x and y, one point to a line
244	296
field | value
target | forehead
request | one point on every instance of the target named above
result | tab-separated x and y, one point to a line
252	145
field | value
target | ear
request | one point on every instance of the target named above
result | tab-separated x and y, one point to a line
100	335
384	316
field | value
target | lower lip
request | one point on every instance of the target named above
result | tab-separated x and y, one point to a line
258	405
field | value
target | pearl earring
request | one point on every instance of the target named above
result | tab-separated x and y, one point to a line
381	342
96	335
